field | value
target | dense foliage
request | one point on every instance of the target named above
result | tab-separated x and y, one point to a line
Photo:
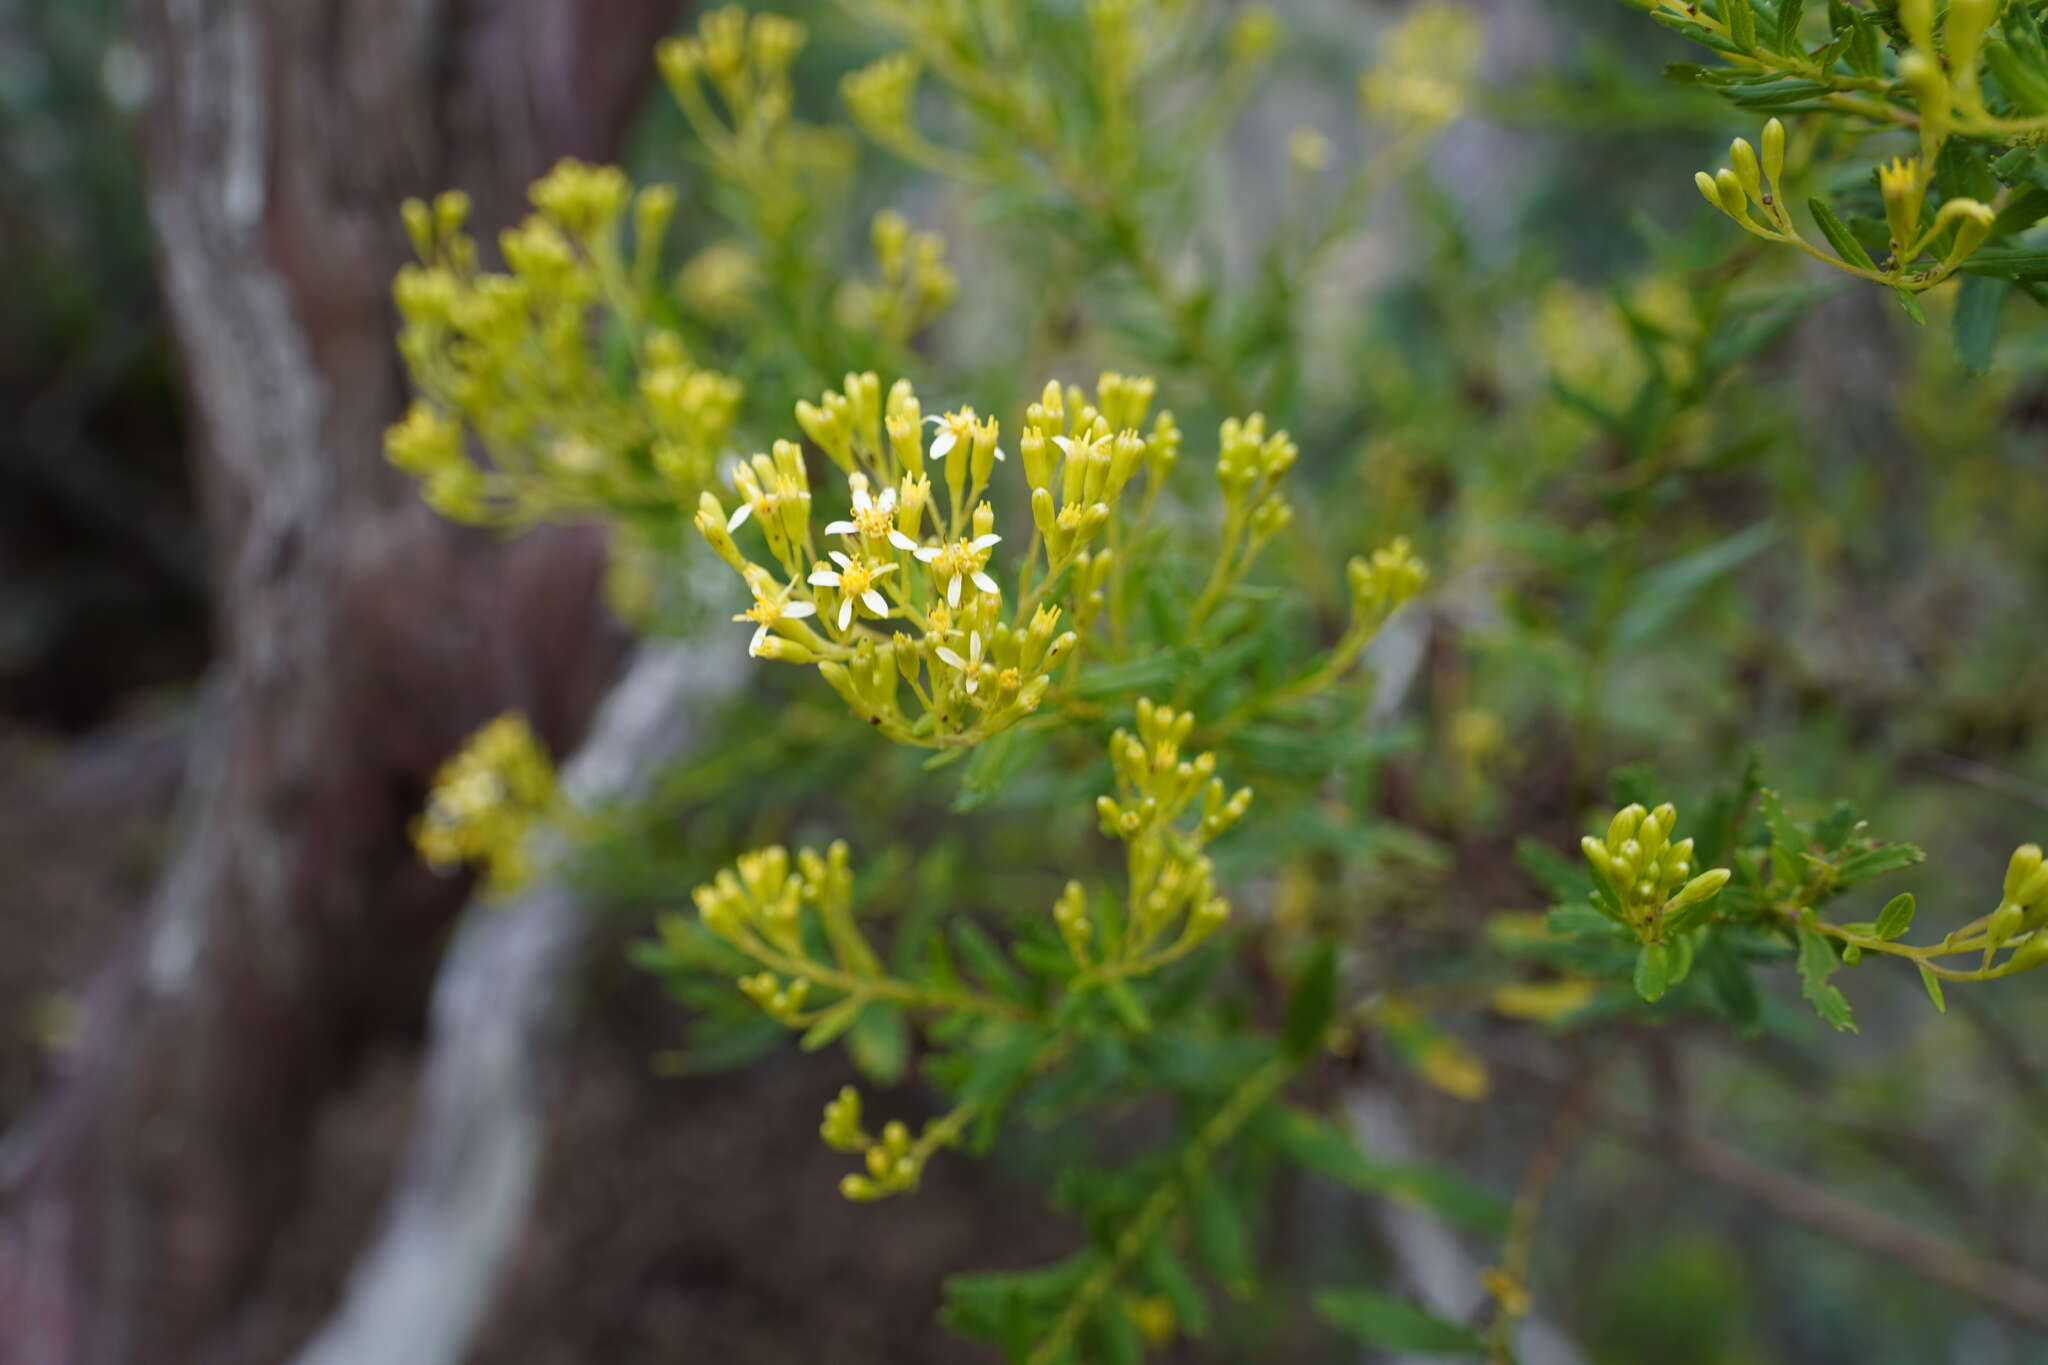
1153	785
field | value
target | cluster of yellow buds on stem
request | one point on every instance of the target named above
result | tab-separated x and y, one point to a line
2022	910
1650	876
1428	65
485	804
749	133
898	602
1249	467
758	904
1166	810
894	1162
915	285
1754	180
1381	584
512	362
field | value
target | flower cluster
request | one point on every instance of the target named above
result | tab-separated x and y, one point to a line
901	593
914	286
1649	878
780	166
1167	808
894	1162
2022	909
1426	70
1957	228
485	802
510	367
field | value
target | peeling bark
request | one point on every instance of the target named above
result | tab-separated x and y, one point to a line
359	638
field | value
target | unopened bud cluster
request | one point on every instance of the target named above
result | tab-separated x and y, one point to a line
894	1162
1650	875
1167	808
1429	63
1382	583
2022	910
1750	191
518	417
485	803
762	900
914	285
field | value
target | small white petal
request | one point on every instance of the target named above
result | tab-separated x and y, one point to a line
928	553
1063	443
845	613
754	648
883	572
953	591
974	646
972	683
861	501
796	611
901	541
888	500
841	560
983	542
824	577
999	454
840	528
948	656
986	584
739	516
875	602
943	444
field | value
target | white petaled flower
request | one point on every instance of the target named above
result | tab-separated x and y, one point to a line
971	667
855	579
961	559
752	499
955	427
769	608
873	519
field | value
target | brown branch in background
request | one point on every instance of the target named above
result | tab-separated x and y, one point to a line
2011	1290
1512	1277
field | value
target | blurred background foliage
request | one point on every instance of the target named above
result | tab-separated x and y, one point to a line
1685	502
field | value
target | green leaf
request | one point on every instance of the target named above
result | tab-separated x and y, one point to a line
1171	1280
1911	303
1668	589
1393	1324
1653	971
880	1043
1313	1003
1839	237
1978	302
1220	1236
2008	262
1875	862
833	1022
1817	962
1790	13
1933	985
980	952
1117	1333
1741	20
995	762
1789	839
1896	917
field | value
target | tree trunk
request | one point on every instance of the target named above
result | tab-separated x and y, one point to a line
359	639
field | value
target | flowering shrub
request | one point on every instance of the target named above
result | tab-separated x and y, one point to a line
1043	576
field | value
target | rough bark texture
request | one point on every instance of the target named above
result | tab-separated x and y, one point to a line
359	639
